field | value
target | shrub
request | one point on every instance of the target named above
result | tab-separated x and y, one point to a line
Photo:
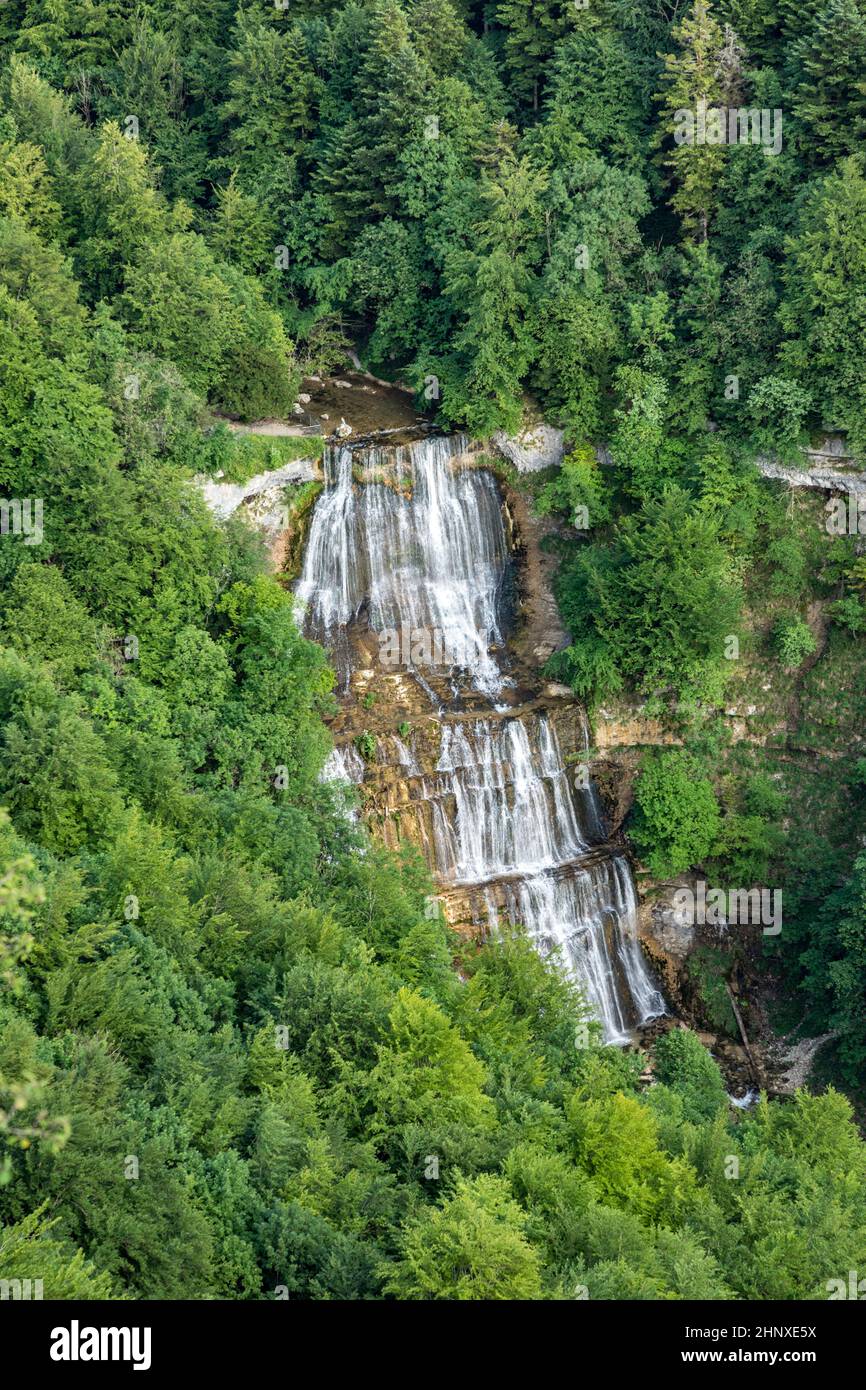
677	816
366	745
684	1064
579	484
777	406
793	640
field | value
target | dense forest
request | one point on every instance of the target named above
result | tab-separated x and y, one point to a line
239	1057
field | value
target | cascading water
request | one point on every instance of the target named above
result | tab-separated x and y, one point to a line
423	554
343	765
404	542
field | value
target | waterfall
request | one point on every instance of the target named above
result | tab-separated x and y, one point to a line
408	547
512	815
422	554
343	765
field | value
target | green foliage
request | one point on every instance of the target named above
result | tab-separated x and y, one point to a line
366	745
655	608
831	965
793	639
212	323
849	612
676	819
710	969
684	1064
578	485
750	836
828	63
234	1046
778	407
491	288
46	622
472	1247
29	1253
692	74
616	1141
820	316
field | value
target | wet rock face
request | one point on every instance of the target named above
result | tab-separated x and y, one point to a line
357	405
539	630
670	933
668	943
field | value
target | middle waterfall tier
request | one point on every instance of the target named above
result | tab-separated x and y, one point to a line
496	804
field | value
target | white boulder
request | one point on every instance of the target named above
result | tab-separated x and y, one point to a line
538	446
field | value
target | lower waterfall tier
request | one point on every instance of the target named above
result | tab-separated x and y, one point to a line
586	911
509	839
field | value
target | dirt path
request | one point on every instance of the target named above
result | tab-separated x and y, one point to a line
278	429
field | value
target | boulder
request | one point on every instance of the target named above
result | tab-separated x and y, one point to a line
261	497
822	476
538	446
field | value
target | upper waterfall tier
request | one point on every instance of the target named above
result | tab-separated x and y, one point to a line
411	551
421	556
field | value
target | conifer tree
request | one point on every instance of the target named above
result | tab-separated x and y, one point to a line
692	86
829	65
493	287
533	28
